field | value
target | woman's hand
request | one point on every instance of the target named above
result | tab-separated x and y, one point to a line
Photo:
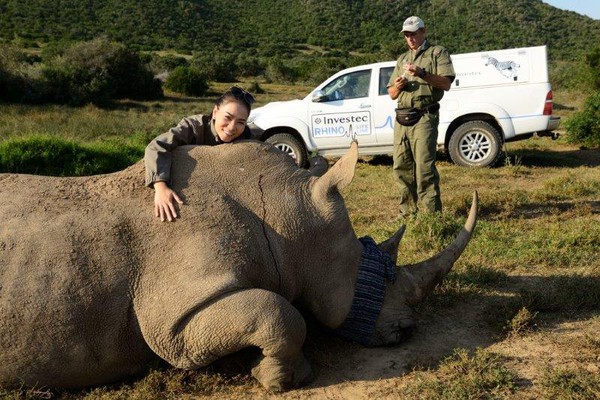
164	207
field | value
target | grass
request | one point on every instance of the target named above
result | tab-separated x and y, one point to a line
578	384
123	118
529	277
481	375
39	154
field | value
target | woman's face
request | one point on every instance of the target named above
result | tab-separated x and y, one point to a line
230	120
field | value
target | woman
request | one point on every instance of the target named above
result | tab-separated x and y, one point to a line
226	124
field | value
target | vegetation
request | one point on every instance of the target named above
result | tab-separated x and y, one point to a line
527	287
461	376
52	46
45	155
187	80
279	27
584	127
289	40
578	384
85	72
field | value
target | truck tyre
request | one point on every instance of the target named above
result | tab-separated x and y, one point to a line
290	145
475	144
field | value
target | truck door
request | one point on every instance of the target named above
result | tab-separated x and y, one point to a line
383	108
343	110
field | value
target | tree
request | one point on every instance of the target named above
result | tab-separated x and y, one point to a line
593	61
584	126
190	81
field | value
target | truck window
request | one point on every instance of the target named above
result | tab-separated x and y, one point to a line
349	86
384	78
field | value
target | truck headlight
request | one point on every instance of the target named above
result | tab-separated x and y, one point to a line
252	118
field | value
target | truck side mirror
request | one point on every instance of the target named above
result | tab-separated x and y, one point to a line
319	96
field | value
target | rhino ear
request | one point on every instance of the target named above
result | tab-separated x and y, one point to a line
390	246
341	174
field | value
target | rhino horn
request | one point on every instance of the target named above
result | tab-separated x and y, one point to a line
427	274
390	246
341	174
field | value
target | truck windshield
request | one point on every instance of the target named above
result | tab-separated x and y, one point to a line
349	86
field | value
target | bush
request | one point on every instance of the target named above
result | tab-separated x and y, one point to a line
167	63
584	126
96	71
581	74
256	88
593	61
55	49
217	67
279	72
13	87
187	80
249	65
13	84
46	155
67	83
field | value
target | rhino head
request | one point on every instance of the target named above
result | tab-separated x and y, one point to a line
402	287
414	282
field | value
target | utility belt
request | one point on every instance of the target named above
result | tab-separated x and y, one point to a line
410	116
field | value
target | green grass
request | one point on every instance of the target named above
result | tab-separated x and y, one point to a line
481	375
53	156
571	384
532	266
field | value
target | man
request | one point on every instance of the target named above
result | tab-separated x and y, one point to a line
418	82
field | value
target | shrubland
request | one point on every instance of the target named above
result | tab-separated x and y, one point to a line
518	315
516	318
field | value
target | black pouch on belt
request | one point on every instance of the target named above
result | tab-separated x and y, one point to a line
408	116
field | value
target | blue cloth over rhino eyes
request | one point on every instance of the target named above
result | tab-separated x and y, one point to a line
375	270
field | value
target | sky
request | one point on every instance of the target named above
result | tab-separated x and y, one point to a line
591	8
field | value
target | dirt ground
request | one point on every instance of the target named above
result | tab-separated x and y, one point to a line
353	372
556	341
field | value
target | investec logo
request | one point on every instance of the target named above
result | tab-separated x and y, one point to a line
341	125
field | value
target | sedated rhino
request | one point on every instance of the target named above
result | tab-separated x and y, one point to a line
93	288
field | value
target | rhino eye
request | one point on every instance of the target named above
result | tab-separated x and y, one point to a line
404	334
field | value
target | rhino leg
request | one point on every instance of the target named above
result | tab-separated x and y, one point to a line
278	374
236	320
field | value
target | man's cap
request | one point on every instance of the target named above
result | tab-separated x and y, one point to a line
413	24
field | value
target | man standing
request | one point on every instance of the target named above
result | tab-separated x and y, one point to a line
418	82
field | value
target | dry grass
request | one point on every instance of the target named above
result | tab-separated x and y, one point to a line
517	318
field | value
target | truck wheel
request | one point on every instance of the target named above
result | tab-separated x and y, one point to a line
475	144
290	145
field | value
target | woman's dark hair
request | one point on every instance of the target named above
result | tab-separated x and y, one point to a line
238	94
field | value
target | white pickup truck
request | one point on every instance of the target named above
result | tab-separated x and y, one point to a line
498	96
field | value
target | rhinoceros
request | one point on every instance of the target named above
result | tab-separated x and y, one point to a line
94	288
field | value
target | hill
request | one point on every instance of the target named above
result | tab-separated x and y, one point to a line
268	27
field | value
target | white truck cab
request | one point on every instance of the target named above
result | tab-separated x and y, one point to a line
498	96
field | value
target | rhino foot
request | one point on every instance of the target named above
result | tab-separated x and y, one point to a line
278	375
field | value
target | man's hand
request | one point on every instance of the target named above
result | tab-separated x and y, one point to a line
396	88
412	69
164	207
400	82
437	81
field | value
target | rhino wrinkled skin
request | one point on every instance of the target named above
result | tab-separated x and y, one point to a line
93	287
